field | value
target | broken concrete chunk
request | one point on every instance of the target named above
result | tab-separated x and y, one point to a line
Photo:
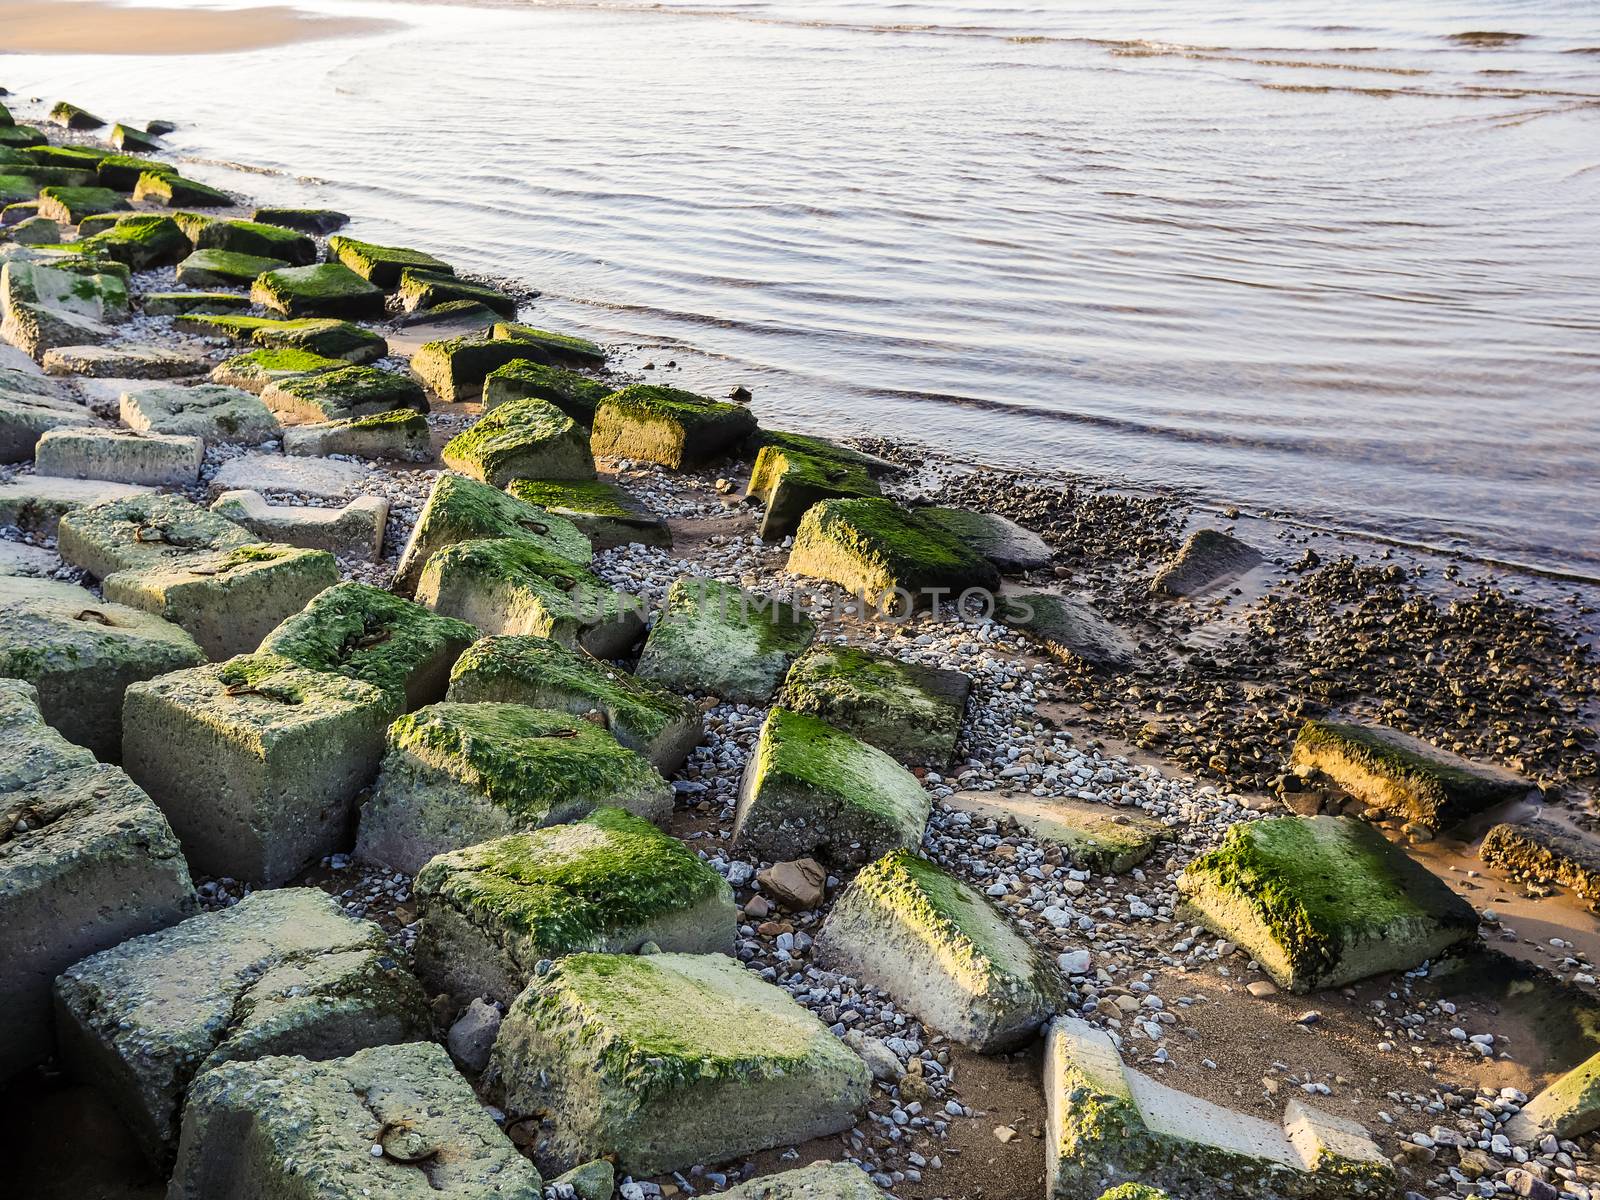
30	405
905	709
206	411
326	479
173	191
254	371
668	1060
256	761
401	433
1322	901
576	395
140	241
282	1126
369	634
253	237
122	362
789	481
69	205
457	774
177	304
1207	559
354	531
1069	627
665	425
323	290
142	530
606	514
36	503
81	652
559	349
1096	837
70	116
610	882
809	787
342	394
49	306
1547	852
512	586
281	972
119	456
819	1181
382	265
942	951
1568	1108
461	509
1395	772
422	289
526	439
86	861
888	556
718	639
1009	546
454	369
542	673
1108	1124
322	336
319	221
225	268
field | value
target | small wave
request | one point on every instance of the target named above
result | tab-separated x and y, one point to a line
1489	38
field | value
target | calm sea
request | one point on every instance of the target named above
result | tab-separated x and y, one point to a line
1338	259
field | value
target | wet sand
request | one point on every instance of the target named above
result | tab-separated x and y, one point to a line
92	27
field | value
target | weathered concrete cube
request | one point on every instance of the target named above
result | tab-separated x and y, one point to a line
254	371
281	972
36	503
320	221
324	337
122	362
141	530
30	405
541	673
255	762
667	1060
251	237
812	789
669	426
374	636
382	265
513	586
560	349
81	652
422	289
43	309
342	394
354	531
606	514
323	290
402	433
1009	546
207	411
942	951
819	1181
526	439
86	861
576	395
788	482
1322	901
1567	1108
718	639
910	711
458	774
285	1126
120	456
224	268
1095	837
610	882
264	471
1070	628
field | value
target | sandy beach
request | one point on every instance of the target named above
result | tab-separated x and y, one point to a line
91	27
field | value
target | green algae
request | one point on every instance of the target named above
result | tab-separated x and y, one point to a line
171	189
382	265
524	438
576	395
668	426
561	349
326	289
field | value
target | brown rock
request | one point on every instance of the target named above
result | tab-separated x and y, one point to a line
800	884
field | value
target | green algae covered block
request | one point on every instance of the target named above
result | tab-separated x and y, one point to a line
1322	901
342	394
576	395
461	509
256	370
143	531
423	289
67	156
131	141
459	774
382	265
608	515
401	433
379	638
326	336
515	586
819	1181
324	290
224	268
885	554
1392	771
1096	837
788	482
542	673
560	349
283	1126
70	116
162	187
454	369
141	241
1568	1108
16	188
320	221
21	136
942	951
812	789
609	883
56	176
253	237
667	1060
281	972
908	710
69	205
526	439
668	426
718	639
121	172
179	304
208	410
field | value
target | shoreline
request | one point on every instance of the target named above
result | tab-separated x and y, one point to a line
98	27
1226	675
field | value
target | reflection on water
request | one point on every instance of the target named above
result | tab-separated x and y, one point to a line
1338	259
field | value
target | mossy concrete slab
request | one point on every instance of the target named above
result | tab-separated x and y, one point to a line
120	172
607	514
908	710
70	116
225	268
460	509
48	307
1010	547
560	349
178	304
374	636
942	951
454	368
280	972
401	433
422	289
127	361
122	456
69	205
29	406
668	1060
255	370
256	762
512	586
1322	901
576	395
210	412
264	471
134	142
342	394
812	789
328	337
36	503
318	221
819	1181
1095	837
1567	1108
382	265
1107	1125
458	774
253	237
788	482
141	241
86	861
286	1127
1206	561
36	231
609	883
720	640
141	529
669	426
526	439
1070	628
1401	774
541	673
1545	851
174	191
887	555
354	531
81	652
323	290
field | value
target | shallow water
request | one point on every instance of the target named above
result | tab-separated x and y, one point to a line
1333	259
